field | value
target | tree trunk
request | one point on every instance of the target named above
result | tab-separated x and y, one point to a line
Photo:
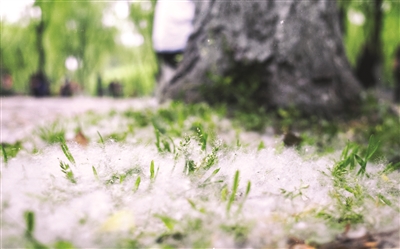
40	29
266	54
377	28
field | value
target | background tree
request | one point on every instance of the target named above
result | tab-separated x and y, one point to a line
40	29
373	27
369	62
142	15
270	54
77	31
59	30
18	54
135	65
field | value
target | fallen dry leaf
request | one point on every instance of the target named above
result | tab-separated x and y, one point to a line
81	139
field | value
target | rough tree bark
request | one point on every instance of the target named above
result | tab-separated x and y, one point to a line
271	53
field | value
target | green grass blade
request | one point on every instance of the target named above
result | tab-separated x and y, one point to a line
234	190
202	138
211	176
248	188
384	200
30	223
157	133
373	146
194	207
363	165
168	221
360	161
137	184
190	166
192	204
30	226
166	146
64	245
95	173
391	168
122	178
101	138
4	154
173	144
152	170
224	193
345	151
67	153
261	146
67	171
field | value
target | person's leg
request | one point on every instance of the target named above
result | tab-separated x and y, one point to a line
169	58
167	65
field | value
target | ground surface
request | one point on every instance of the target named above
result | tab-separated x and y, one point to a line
113	197
19	115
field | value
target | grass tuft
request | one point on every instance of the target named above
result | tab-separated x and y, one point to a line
66	169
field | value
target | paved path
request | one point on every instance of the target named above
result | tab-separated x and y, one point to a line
20	114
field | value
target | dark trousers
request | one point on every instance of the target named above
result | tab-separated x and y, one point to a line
169	58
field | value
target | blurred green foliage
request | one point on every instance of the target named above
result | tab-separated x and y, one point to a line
9	151
17	54
136	67
78	29
358	28
142	15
